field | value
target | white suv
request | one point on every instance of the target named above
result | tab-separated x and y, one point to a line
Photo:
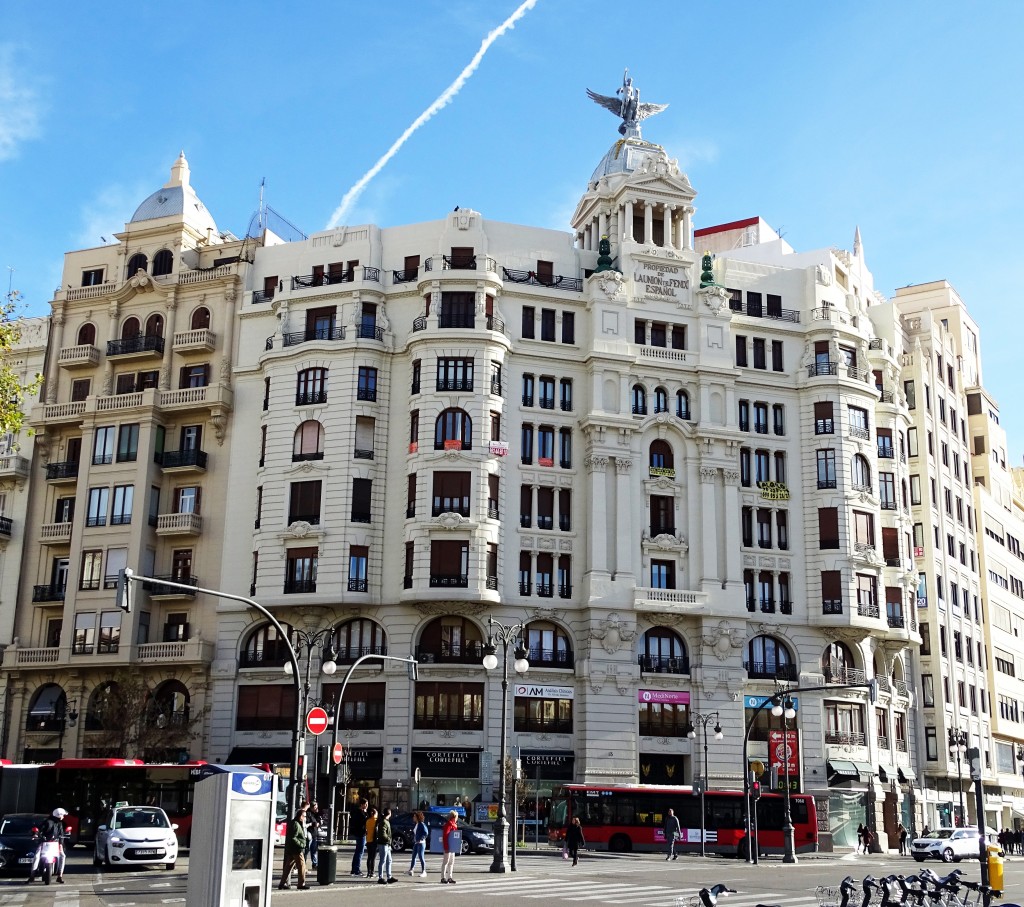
946	844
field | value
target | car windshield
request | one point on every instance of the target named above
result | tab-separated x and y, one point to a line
140	818
942	833
20	825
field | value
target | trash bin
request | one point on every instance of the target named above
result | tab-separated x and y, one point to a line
995	869
327	865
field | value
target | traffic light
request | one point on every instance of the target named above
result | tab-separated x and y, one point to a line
873	690
755	790
124	589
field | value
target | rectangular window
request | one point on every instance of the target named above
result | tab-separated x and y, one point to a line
187	499
449	706
103	446
127	443
85	634
824	422
542	716
777	356
194	376
121	512
80	389
92	570
568	327
358	556
300	570
99	501
759	353
362	490
304	502
110	632
663	574
454	374
526	444
266	707
451	493
828	527
547	325
366	387
741	350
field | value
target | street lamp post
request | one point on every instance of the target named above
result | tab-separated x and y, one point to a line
309	640
702	721
785	709
510	637
957	747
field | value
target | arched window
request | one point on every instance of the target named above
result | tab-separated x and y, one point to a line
136	263
309	442
453	425
661	650
104	704
311	386
549	645
47	708
87	334
130	329
661	455
768	657
452	639
682	405
660	400
155	325
200	318
170	705
836	663
861	473
264	647
163	262
358	637
639	397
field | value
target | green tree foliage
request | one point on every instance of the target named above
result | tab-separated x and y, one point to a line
12	392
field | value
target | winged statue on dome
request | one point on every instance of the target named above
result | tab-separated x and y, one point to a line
627	105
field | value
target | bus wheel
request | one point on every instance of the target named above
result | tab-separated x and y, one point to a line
620	844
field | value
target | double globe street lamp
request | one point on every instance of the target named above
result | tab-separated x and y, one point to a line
785	709
511	640
691	731
957	748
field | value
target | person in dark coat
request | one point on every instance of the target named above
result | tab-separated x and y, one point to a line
574	840
295	850
672	834
357	829
860	838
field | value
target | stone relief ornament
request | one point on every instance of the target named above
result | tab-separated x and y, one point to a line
610	283
708	474
450	520
612	633
823	276
715	298
594	463
299	529
721	640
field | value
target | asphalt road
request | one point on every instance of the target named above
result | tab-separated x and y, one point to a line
645	880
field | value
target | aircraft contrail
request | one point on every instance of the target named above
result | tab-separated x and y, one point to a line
443	99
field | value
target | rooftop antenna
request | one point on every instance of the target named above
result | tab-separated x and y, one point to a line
10	282
263	182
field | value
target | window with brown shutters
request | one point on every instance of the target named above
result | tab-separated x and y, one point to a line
891	547
362	490
410	496
493	485
451	493
828	527
824	419
832	591
449	564
526	506
266	707
545	508
304	502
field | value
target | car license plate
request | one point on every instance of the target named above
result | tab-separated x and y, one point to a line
146	853
25	860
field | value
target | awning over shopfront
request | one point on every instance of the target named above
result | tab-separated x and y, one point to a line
840	770
906	775
886	773
260	755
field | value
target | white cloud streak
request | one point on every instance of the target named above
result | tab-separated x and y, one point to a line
442	101
19	107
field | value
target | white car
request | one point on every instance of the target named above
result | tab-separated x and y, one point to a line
136	835
948	845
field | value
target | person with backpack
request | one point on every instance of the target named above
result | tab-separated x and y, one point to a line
420	833
382	838
51	830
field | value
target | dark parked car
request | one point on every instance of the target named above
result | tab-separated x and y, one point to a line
18	840
474	838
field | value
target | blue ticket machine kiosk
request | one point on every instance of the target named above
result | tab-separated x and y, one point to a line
232	854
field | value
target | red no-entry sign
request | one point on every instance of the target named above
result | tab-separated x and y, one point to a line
316	720
337	753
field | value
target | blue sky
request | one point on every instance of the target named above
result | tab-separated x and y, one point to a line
903	118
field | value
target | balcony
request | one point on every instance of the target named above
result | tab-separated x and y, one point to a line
274	656
467	263
456	320
826	483
886	452
350	653
845	738
656	664
843	675
182	460
770	310
13	467
160	591
883	742
369	332
357	585
409	275
367	394
6	526
757	670
832	606
15	656
896	621
337	332
553	281
201	340
55	533
81	356
214	396
445	653
175	652
179	524
145	346
860	432
259	296
363	453
48	593
454	384
551	658
449	581
62	472
672	601
313	398
824	426
822	369
299	586
867	609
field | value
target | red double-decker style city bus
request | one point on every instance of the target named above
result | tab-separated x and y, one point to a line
632	817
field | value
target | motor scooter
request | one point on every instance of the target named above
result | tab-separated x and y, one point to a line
49	859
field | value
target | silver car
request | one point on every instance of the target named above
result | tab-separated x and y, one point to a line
946	844
136	835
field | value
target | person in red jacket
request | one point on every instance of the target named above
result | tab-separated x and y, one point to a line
448	861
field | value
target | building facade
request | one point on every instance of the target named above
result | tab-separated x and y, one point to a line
695	484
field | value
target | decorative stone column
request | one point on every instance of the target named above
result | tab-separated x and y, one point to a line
629	223
686	239
668	242
170	322
708	520
113	311
624	539
733	561
227	353
596	466
56	342
648	222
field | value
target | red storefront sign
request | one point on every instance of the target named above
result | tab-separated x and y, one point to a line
783	751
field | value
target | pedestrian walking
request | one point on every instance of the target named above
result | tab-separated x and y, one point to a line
295	850
448	860
902	832
672	834
860	837
869	838
371	841
382	838
357	828
574	839
420	833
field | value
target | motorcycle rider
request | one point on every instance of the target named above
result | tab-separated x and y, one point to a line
52	830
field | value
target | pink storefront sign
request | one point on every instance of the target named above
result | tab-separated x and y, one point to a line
674	697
